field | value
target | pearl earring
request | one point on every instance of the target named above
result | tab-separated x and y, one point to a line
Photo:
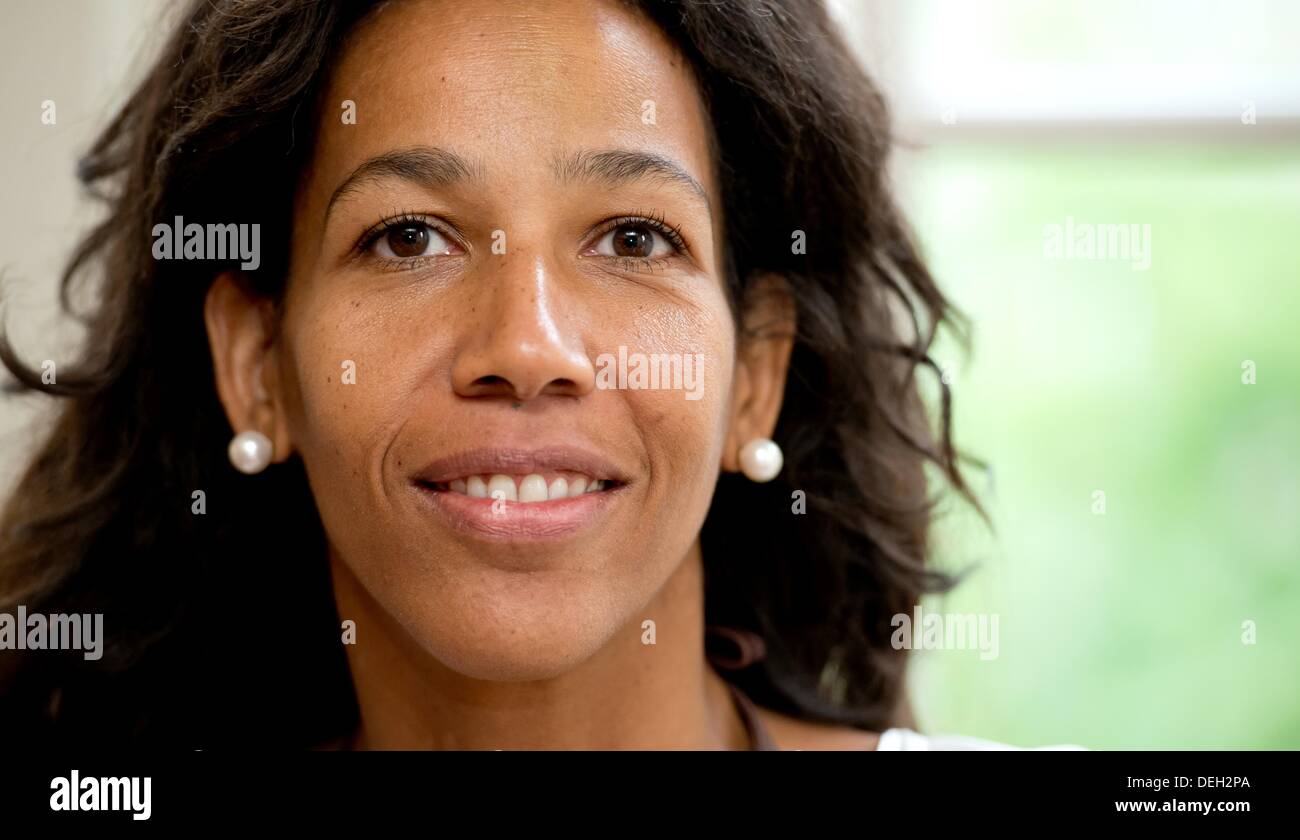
761	460
250	452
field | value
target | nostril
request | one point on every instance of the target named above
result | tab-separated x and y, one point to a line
494	385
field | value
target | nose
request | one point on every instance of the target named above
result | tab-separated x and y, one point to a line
521	344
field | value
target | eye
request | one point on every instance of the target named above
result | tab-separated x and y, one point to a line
637	240
407	239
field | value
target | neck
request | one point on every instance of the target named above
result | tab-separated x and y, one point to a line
627	696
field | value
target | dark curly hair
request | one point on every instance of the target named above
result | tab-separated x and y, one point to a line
225	630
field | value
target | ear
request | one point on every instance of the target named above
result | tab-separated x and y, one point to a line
241	335
766	339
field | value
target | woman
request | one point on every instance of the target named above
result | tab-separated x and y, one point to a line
405	473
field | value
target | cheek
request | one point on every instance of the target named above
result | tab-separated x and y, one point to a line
682	439
350	365
681	423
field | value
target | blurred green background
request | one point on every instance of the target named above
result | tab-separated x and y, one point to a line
1122	629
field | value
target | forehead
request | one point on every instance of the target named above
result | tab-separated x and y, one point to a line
506	82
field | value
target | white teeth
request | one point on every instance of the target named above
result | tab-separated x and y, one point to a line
532	489
503	487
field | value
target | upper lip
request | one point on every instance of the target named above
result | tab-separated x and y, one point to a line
520	462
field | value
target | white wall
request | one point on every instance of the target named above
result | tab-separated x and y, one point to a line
82	55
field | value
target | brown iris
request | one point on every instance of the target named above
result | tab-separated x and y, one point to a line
632	241
408	240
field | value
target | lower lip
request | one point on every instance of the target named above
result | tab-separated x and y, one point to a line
514	521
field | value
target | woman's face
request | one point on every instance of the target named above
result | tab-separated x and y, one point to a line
546	169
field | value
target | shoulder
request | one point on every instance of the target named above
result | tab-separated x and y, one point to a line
791	733
899	740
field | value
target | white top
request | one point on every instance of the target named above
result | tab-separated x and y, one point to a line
907	739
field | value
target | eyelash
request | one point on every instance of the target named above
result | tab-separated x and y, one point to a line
655	222
406	217
650	219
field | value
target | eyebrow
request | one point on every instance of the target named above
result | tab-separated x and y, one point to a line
427	166
432	167
619	166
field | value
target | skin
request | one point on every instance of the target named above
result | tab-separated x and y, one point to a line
462	641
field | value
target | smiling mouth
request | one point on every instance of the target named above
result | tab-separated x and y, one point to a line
517	494
532	488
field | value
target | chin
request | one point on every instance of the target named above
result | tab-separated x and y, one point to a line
518	630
